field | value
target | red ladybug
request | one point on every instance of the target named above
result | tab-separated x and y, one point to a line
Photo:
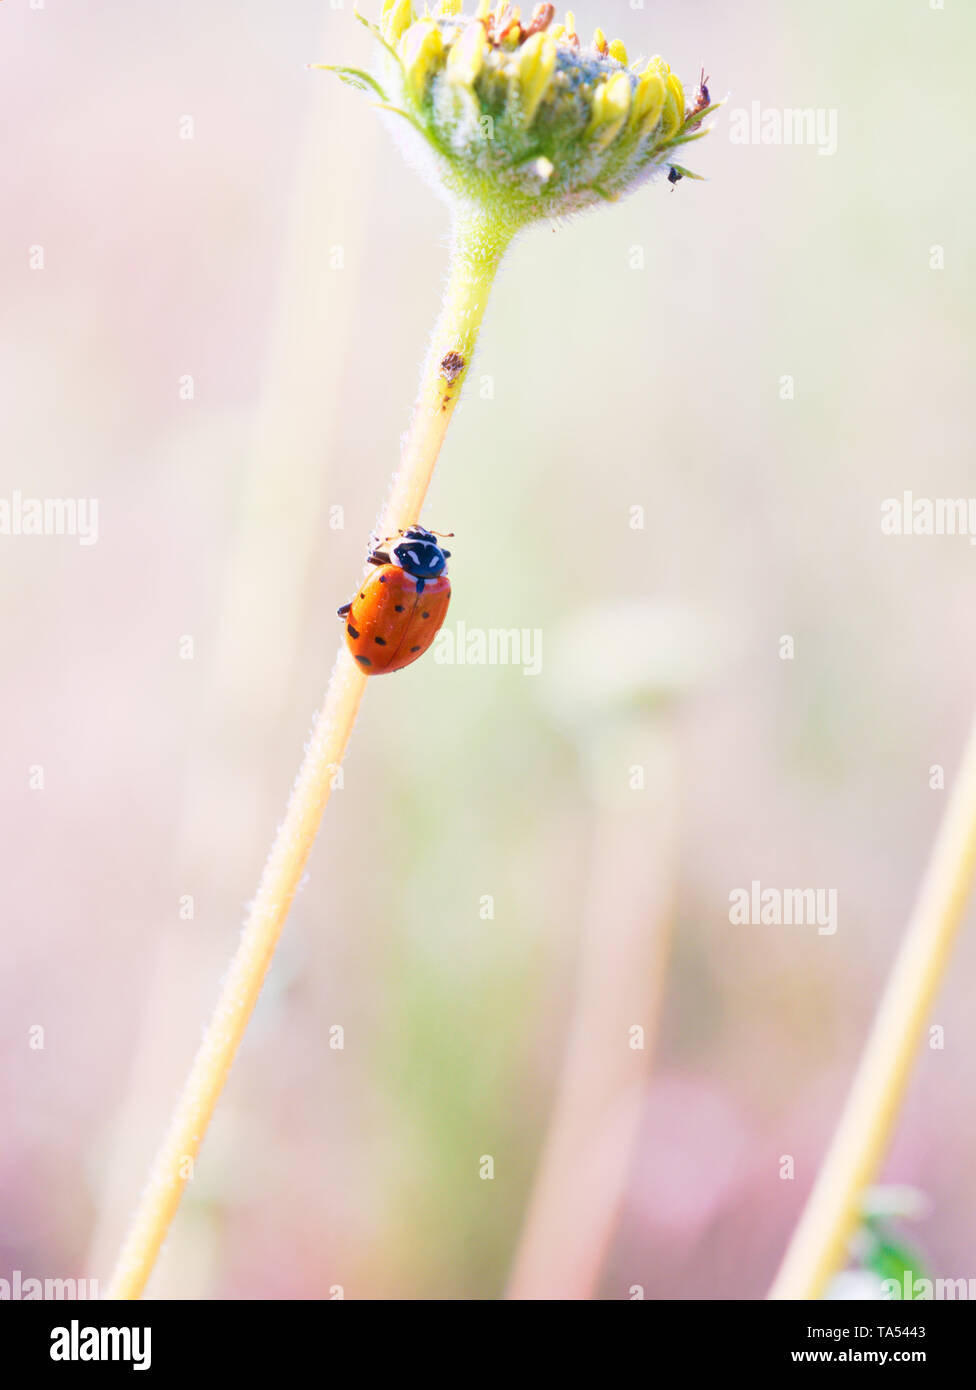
401	606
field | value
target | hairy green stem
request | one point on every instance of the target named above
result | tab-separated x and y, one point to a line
477	250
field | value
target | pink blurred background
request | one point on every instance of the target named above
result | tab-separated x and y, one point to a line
287	260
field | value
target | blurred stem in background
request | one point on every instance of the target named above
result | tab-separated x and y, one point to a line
622	966
819	1245
478	245
261	608
619	674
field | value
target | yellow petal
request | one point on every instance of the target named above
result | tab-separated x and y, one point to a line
467	54
600	41
396	19
648	99
674	107
536	64
419	50
611	103
618	51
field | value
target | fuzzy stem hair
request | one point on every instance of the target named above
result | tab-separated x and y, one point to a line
478	246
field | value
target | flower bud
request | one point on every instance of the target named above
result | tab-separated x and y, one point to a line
516	119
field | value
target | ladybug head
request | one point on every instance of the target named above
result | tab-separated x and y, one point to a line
419	554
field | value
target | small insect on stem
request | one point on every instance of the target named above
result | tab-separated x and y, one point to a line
451	367
702	102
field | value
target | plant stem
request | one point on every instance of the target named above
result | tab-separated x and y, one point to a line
582	1173
261	608
477	250
819	1243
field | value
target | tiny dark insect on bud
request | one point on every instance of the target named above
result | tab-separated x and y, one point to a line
675	175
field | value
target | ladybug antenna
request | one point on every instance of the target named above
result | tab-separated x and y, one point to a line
444	535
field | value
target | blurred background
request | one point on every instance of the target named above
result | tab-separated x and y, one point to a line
672	453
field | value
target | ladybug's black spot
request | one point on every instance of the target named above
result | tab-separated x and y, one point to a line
352	631
398	608
425	615
382	578
415	649
380	641
364	661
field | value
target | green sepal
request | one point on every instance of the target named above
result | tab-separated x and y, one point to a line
354	77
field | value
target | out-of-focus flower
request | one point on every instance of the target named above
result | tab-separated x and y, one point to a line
885	1264
615	675
523	119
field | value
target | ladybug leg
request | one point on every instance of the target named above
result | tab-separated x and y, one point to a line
378	557
343	610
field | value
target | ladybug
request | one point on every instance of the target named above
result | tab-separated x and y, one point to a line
401	605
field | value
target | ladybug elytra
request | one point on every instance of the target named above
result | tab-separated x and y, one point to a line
400	607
